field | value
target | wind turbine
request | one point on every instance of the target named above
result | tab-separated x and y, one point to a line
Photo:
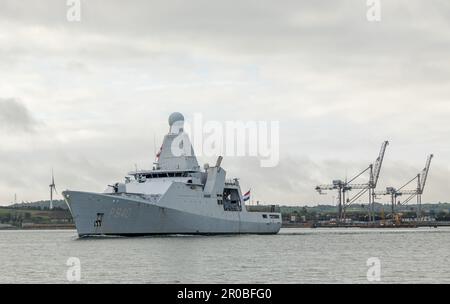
52	188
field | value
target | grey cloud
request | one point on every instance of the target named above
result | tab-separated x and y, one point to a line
252	27
294	180
309	35
338	84
15	116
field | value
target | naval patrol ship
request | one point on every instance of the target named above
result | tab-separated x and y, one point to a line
174	197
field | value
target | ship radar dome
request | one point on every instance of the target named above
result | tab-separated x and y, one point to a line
174	117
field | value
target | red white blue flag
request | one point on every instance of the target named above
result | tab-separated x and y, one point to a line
246	196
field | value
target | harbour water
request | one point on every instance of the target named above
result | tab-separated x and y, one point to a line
293	256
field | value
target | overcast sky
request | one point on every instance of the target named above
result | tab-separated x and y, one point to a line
87	98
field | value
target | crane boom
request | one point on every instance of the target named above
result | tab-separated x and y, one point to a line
421	179
424	174
343	187
377	165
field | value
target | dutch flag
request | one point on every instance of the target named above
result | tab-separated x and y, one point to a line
246	196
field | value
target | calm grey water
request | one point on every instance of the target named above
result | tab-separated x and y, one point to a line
293	256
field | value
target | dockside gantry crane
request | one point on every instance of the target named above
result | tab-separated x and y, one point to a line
342	187
421	179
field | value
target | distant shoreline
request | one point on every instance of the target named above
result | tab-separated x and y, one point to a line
41	227
68	227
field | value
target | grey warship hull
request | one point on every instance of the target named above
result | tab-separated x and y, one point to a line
103	214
